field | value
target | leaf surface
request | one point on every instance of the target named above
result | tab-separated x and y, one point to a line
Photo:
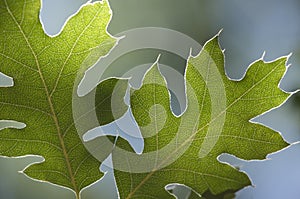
185	149
44	70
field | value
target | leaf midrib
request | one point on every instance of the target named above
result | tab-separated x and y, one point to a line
73	182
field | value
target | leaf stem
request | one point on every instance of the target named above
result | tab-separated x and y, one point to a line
77	195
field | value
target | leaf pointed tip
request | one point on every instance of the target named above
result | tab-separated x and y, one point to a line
216	37
153	74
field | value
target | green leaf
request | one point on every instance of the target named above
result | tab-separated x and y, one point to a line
44	70
185	149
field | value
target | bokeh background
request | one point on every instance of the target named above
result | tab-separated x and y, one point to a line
249	29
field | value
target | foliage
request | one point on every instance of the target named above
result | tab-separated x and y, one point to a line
216	121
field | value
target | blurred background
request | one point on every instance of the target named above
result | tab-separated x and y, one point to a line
249	29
